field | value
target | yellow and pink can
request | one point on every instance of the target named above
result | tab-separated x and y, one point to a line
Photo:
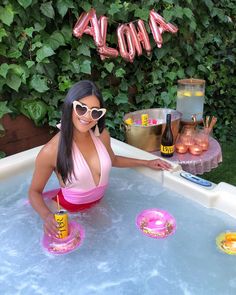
61	218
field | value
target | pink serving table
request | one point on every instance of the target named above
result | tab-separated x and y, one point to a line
207	161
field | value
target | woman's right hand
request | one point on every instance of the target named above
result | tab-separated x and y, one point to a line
50	225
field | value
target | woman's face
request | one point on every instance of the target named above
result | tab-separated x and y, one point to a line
85	122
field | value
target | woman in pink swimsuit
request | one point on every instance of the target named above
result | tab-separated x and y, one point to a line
80	155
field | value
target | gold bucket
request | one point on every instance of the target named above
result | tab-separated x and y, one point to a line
148	138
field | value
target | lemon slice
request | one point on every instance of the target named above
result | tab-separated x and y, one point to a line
198	93
187	93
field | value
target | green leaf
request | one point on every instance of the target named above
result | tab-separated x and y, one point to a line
107	95
120	73
168	14
64	83
56	40
36	45
121	98
44	52
86	67
171	75
209	4
67	33
139	75
30	63
24	3
6	14
188	12
3	33
166	98
13	81
29	31
178	11
115	8
2	154
109	66
63	6
39	83
19	71
142	13
83	50
4	70
47	9
4	109
76	66
86	6
37	111
14	53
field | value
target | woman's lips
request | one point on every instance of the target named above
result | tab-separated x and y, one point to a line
83	122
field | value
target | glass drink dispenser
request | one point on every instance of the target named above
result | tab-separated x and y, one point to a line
190	98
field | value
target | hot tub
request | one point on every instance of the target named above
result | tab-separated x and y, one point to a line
115	257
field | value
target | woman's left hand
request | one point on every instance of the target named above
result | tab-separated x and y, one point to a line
158	164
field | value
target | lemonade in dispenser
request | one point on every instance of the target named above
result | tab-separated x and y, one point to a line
190	98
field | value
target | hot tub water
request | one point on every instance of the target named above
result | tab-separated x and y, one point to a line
116	258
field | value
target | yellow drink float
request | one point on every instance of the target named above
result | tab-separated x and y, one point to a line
61	218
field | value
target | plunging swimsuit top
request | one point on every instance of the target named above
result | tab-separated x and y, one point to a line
82	190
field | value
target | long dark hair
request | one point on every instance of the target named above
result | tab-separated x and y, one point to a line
80	90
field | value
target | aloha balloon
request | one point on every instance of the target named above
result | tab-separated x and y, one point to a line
140	38
127	50
82	27
131	38
154	19
104	51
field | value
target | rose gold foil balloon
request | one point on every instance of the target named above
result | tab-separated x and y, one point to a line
140	38
125	42
104	50
82	27
154	20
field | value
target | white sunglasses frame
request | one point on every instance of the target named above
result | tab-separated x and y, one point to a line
75	103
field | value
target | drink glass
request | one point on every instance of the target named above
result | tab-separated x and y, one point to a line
190	99
202	138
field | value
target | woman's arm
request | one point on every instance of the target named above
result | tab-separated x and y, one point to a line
119	161
44	166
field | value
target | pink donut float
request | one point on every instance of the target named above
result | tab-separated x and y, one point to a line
63	246
156	223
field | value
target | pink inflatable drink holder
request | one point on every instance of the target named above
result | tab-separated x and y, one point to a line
63	246
156	223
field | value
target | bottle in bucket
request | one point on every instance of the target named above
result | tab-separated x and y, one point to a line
61	218
144	119
167	139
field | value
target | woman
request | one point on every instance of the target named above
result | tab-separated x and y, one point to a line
80	155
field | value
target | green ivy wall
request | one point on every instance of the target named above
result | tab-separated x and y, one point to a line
41	59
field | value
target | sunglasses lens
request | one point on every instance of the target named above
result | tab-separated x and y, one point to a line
96	114
80	110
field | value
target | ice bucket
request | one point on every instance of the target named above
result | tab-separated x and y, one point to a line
148	138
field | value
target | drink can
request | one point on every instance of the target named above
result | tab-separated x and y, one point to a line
144	119
61	218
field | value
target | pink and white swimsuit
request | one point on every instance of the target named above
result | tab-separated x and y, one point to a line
82	191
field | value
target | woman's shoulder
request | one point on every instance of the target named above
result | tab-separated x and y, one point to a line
105	137
49	151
